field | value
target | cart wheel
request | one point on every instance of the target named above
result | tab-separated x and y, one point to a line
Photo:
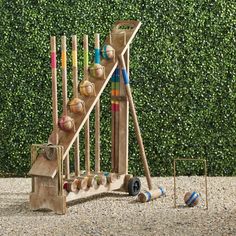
134	186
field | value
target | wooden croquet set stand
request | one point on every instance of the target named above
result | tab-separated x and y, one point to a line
53	185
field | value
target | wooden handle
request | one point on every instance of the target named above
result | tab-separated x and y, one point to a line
85	57
97	40
97	49
54	90
150	195
64	74
75	66
126	23
136	125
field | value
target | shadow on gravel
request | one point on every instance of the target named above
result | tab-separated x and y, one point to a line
17	205
118	196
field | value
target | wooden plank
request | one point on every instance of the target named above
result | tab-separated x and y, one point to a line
44	167
117	184
46	196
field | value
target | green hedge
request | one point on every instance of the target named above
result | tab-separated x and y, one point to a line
183	77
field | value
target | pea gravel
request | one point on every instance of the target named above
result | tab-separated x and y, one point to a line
117	213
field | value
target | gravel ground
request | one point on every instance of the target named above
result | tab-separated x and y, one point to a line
118	214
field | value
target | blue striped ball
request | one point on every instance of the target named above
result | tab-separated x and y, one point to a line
191	199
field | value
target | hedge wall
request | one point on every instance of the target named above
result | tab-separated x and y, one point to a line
183	77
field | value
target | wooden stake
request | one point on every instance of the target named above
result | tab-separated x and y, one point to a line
136	125
54	90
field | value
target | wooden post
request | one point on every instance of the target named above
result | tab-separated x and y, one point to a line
136	125
205	165
97	111
85	57
174	184
87	138
64	93
54	90
75	95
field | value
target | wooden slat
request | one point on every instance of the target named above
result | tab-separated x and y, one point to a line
116	185
44	167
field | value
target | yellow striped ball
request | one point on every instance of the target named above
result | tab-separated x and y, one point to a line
87	88
76	105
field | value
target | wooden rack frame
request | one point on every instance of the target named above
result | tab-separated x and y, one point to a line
48	178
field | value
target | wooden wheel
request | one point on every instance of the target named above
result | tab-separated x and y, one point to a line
134	186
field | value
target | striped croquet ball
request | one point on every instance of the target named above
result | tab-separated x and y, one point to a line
66	123
191	199
87	88
96	71
76	105
108	52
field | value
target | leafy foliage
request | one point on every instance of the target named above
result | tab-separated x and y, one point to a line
182	73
